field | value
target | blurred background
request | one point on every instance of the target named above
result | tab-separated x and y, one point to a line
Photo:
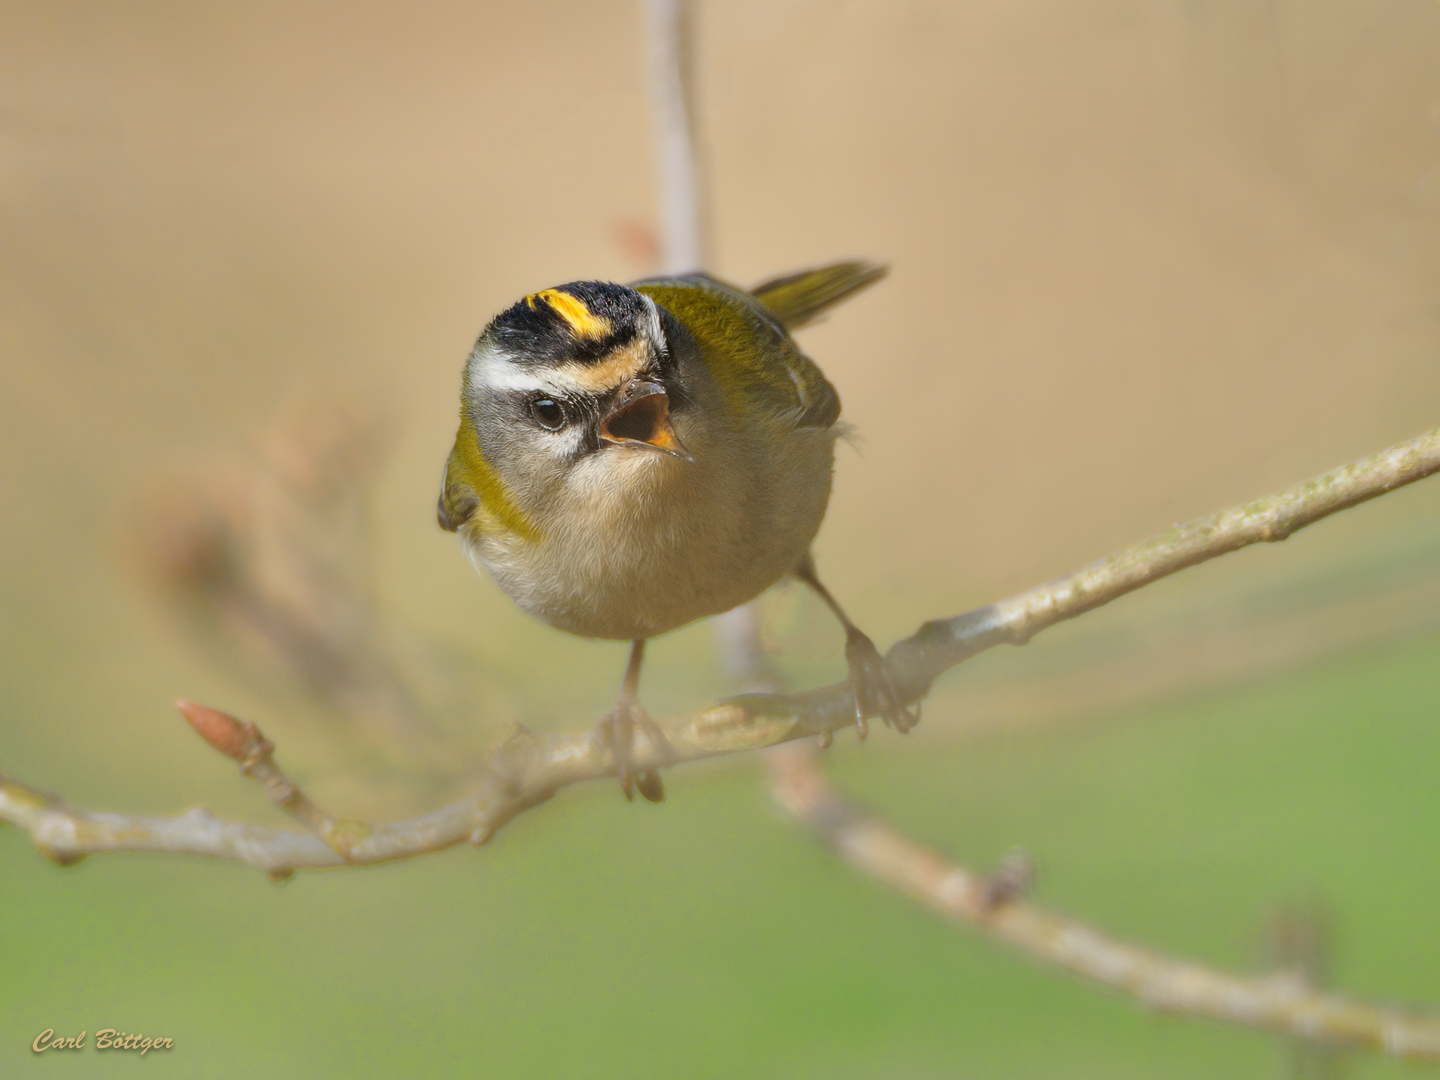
1150	258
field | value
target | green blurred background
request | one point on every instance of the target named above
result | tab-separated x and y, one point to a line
1150	259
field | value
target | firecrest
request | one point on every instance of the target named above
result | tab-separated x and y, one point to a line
632	458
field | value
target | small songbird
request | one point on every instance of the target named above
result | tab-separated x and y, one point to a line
633	458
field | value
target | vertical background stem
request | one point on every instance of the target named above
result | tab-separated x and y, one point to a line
668	58
669	49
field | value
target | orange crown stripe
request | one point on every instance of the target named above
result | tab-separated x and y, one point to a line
574	311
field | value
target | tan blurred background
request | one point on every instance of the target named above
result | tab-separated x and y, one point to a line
1150	259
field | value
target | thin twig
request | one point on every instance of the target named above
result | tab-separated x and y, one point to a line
243	741
1280	1002
942	644
528	767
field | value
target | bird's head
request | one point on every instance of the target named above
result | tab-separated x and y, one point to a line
563	377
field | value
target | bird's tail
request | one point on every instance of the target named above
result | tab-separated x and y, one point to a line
800	298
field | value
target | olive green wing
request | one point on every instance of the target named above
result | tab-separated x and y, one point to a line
801	298
748	350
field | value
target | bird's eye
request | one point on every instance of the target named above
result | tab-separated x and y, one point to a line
548	413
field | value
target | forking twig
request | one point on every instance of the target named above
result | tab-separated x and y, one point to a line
1285	1002
528	767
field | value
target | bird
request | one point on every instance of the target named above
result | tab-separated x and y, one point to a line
632	458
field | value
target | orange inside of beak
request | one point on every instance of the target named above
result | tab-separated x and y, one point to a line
645	420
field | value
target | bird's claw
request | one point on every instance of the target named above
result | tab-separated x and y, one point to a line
877	693
617	733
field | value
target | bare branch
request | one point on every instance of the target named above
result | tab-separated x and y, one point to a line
942	644
244	743
1283	1002
528	767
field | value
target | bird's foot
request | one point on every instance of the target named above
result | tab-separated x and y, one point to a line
877	692
617	733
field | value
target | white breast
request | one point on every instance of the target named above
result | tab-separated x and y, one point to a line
642	542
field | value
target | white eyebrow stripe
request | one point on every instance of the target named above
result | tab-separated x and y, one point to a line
494	370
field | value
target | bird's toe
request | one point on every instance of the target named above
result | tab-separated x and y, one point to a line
877	691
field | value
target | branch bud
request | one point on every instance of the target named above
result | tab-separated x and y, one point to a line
233	738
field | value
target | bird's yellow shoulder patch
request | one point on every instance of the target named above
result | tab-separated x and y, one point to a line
468	468
584	322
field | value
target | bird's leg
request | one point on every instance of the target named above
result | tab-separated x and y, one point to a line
617	731
876	691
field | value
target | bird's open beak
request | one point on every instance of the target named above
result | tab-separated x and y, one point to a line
641	416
